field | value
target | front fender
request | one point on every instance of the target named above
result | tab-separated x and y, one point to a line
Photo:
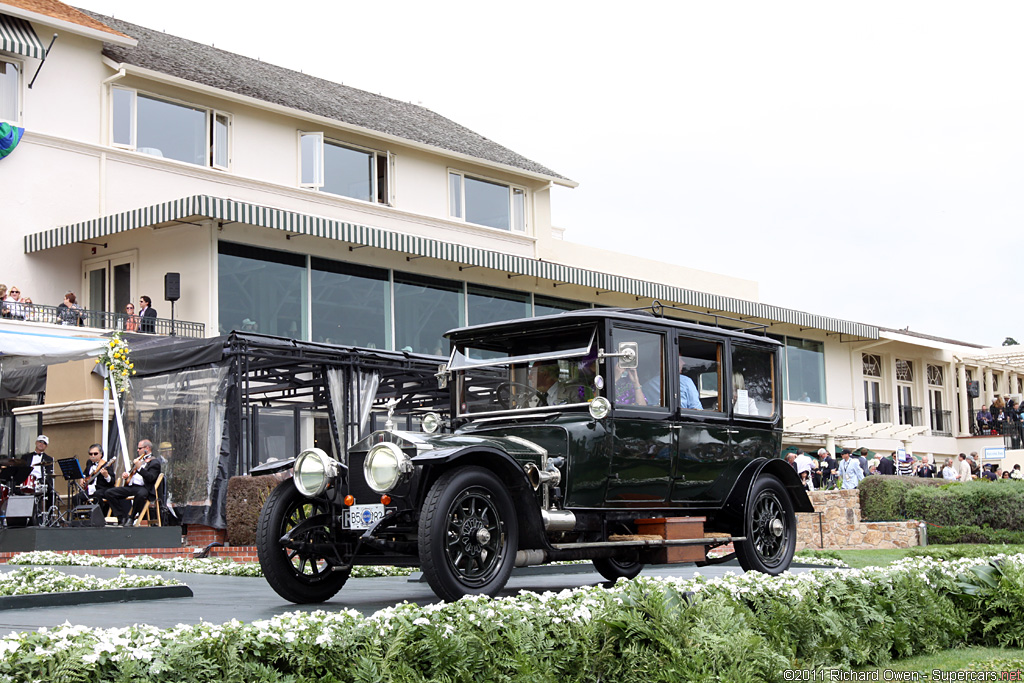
732	511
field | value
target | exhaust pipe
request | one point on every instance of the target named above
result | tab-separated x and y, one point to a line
558	520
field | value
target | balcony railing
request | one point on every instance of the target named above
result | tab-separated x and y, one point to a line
1012	434
910	415
104	320
942	423
877	412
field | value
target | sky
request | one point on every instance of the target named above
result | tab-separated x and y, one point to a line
860	160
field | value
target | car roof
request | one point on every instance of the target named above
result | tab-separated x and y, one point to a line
595	315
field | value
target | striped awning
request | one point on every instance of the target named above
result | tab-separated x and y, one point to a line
18	36
195	208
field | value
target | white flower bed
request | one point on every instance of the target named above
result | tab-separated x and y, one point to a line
339	634
32	580
211	565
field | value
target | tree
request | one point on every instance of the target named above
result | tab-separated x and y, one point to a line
1010	341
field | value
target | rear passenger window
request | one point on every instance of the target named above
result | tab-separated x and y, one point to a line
700	377
753	381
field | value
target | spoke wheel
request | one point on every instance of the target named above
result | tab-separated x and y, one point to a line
468	534
770	528
296	575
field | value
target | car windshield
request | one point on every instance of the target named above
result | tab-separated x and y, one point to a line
527	371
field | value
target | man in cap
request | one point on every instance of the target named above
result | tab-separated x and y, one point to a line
40	479
849	470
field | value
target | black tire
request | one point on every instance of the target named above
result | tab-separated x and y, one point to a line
613	569
769	523
296	576
468	534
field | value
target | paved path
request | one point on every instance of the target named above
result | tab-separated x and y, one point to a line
221	598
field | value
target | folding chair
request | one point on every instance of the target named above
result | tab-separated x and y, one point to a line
144	514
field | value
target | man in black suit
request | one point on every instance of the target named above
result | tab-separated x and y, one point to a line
141	484
827	467
98	473
887	465
147	315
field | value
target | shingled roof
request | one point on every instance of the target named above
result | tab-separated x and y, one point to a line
234	73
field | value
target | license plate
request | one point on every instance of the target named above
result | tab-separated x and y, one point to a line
364	516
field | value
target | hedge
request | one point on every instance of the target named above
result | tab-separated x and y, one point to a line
966	533
245	499
999	504
883	497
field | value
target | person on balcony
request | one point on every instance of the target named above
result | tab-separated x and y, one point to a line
131	322
984	421
147	315
13	306
69	312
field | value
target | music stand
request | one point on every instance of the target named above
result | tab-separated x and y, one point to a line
71	471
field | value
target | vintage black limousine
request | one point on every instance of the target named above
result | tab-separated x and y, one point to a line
623	437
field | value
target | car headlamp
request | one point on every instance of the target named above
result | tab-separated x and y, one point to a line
313	471
431	423
600	407
385	467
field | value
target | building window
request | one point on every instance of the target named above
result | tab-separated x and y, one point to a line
491	305
486	202
805	370
10	91
172	130
426	308
344	170
261	290
872	365
351	304
549	305
935	375
904	371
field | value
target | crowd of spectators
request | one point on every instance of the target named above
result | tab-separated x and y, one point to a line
1000	417
826	472
15	306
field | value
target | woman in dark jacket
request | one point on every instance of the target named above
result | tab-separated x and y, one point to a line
69	312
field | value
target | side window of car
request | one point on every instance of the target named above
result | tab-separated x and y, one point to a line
643	385
700	375
753	381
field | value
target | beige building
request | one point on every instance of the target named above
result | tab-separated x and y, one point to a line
298	207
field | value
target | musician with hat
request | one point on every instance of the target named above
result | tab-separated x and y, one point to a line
40	479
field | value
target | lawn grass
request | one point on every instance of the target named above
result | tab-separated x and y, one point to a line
959	659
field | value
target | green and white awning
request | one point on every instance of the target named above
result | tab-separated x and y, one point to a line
18	36
192	209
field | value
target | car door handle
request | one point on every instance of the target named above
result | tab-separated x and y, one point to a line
732	431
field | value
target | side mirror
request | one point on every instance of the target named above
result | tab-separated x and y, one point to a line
629	355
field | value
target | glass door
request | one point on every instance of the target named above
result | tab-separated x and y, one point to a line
109	283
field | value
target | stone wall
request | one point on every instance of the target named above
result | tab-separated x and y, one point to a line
840	525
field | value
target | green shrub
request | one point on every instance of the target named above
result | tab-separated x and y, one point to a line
999	505
957	552
883	497
246	496
967	533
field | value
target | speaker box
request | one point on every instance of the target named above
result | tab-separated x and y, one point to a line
20	511
172	286
972	389
87	515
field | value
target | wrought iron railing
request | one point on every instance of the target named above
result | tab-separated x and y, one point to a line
942	423
1013	435
910	415
877	412
104	320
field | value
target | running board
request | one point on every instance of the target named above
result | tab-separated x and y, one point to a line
649	543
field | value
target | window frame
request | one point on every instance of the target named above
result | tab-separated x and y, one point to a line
19	95
212	115
381	198
457	204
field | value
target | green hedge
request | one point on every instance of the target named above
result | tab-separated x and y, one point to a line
245	499
998	504
883	497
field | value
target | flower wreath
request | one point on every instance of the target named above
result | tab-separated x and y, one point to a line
116	359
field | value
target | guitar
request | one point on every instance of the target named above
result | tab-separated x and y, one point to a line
83	484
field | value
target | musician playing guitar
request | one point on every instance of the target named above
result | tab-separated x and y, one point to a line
99	476
140	482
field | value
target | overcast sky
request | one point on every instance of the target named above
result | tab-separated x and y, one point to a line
861	160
